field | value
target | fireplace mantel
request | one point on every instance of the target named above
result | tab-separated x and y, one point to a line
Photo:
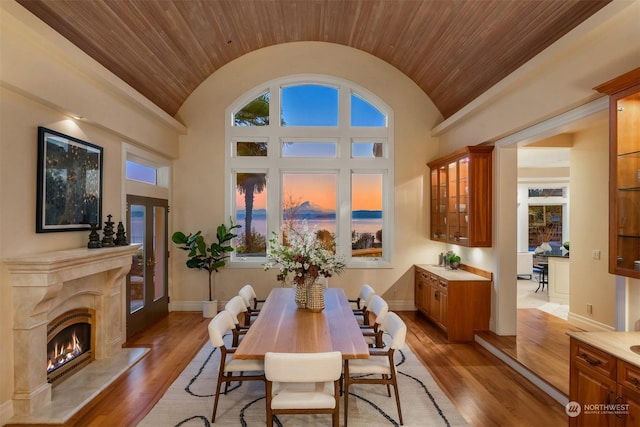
47	284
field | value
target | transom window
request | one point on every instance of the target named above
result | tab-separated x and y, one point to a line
314	149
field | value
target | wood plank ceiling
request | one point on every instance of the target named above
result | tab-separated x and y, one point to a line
453	49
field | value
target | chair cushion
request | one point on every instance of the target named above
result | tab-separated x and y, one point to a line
374	365
303	396
237	365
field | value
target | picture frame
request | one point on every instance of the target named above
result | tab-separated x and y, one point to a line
69	183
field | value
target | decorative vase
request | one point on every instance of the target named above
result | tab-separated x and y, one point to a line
301	295
315	297
454	265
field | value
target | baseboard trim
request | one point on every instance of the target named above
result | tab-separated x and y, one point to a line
587	324
529	375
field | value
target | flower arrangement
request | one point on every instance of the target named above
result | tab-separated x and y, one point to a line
302	254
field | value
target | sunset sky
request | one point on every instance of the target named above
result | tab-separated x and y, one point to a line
314	105
320	190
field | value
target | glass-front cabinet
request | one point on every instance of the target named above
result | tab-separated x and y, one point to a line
439	203
624	180
461	197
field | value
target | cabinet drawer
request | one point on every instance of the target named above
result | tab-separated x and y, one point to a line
596	360
444	285
421	274
629	375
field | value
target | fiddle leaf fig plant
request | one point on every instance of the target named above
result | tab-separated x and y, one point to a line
205	256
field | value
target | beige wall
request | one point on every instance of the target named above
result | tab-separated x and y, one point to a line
590	281
43	78
199	172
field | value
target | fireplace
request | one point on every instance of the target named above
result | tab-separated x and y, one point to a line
69	306
69	344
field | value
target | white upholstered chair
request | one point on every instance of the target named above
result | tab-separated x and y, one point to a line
249	295
378	308
303	383
230	369
364	297
380	362
236	306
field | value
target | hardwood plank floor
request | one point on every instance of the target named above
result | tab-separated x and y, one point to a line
542	346
484	389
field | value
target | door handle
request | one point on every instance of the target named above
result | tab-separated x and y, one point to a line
151	262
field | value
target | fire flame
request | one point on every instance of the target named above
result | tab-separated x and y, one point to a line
62	353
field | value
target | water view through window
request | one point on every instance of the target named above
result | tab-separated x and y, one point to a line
312	164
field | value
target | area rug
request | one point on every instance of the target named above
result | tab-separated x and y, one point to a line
189	400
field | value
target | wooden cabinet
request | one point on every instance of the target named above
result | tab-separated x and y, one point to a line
624	169
606	388
461	197
459	304
629	393
422	288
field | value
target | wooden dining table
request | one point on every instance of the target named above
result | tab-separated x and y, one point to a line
282	327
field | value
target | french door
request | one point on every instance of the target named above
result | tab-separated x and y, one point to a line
147	289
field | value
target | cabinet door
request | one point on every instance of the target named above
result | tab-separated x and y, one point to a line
434	303
453	216
422	291
626	164
439	204
444	308
591	388
624	170
629	394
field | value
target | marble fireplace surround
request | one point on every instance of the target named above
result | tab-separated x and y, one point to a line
47	285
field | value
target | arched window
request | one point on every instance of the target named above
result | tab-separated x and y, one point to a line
311	148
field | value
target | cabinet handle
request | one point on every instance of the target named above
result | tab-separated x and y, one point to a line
436	295
617	402
636	382
585	357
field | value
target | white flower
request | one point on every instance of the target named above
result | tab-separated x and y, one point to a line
303	254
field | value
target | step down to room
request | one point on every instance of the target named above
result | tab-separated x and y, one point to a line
517	366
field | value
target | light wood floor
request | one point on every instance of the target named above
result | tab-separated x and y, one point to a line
484	389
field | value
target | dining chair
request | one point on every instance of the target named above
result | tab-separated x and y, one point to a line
249	295
236	306
230	369
364	297
303	383
380	362
379	308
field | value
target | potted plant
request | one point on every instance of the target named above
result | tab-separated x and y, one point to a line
209	257
453	260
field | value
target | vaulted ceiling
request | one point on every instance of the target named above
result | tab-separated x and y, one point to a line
454	50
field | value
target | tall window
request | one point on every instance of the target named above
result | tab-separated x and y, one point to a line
314	149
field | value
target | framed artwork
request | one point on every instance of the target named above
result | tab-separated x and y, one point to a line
69	183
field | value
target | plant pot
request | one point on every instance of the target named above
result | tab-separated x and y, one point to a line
454	265
209	308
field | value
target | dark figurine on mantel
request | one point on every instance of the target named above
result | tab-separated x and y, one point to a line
107	240
94	238
121	236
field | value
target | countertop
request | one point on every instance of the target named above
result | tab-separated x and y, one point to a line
615	343
448	274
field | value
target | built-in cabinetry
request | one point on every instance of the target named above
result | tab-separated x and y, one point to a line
599	378
457	301
624	169
461	189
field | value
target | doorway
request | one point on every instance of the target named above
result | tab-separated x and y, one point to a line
147	285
